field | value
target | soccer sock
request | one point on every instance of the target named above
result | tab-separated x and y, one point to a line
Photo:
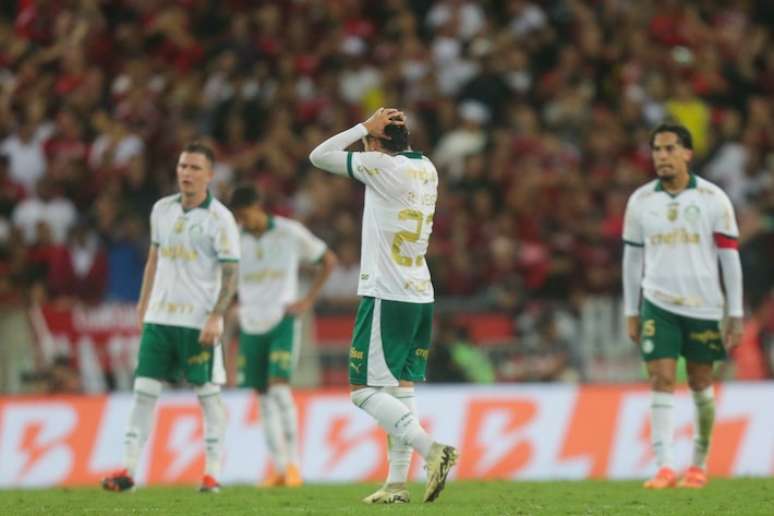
662	427
399	453
272	431
146	394
214	426
705	419
288	417
393	417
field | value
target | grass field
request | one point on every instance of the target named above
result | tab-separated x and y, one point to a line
738	497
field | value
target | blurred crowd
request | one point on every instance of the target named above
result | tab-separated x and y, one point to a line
536	113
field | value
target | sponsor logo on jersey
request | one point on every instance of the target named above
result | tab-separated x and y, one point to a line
178	252
174	308
675	237
263	275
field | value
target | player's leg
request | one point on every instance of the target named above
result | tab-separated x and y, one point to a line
156	361
700	381
254	373
399	454
199	366
704	345
214	414
369	372
442	457
661	341
281	361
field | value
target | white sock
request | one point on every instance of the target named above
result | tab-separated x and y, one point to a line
272	431
704	402
288	416
662	428
146	394
393	417
399	453
214	426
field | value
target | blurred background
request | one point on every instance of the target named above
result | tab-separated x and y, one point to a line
536	114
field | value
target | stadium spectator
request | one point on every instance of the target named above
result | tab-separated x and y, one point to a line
535	113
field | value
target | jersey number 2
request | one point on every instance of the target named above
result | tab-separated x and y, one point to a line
408	236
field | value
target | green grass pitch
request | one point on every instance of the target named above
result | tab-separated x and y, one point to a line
737	496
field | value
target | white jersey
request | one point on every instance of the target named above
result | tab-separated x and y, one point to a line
400	196
191	244
268	273
681	235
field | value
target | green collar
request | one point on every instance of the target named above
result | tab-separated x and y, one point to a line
204	205
691	184
271	224
411	154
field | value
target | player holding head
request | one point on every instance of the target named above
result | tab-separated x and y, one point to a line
190	279
391	338
272	249
680	225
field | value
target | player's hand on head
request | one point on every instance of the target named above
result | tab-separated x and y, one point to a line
381	118
733	333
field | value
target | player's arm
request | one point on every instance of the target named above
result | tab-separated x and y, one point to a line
147	282
227	243
330	154
725	234
229	279
327	264
633	262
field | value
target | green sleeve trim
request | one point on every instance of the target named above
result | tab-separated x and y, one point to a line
633	244
228	260
349	165
153	242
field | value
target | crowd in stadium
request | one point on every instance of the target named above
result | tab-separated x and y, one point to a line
537	115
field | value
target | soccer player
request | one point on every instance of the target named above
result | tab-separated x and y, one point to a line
391	338
272	250
190	280
680	225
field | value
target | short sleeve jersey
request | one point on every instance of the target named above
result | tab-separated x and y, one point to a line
268	272
681	235
400	196
191	245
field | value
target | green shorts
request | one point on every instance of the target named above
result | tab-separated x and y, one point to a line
391	342
667	335
267	355
167	351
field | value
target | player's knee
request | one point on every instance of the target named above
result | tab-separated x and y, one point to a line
207	389
361	395
149	386
662	382
699	383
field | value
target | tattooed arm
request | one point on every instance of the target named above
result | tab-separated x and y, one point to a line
213	328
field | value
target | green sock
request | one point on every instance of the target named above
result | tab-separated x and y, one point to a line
705	419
